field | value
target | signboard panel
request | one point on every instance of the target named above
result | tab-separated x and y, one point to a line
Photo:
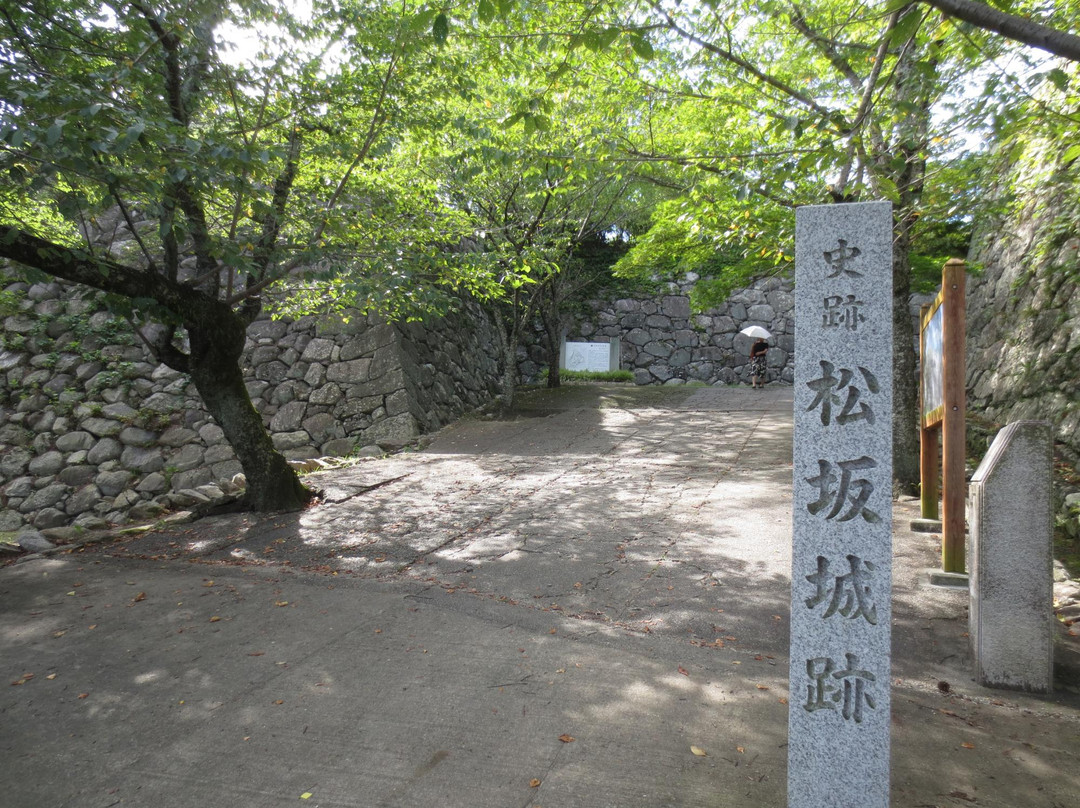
933	365
591	356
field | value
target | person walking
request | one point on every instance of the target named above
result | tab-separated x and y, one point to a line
757	363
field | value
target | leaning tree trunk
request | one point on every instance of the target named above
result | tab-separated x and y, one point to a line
272	484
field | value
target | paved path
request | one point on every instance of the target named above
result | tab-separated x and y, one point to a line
610	567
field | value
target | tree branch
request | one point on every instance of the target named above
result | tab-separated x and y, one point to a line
682	161
271	227
170	42
378	118
189	305
826	46
738	61
1020	29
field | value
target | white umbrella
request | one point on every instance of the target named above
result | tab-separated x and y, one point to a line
756	331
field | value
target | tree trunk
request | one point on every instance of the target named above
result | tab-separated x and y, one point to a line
550	315
916	89
272	484
217	340
508	352
554	371
905	386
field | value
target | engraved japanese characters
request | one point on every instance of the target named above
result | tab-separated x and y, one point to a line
842	475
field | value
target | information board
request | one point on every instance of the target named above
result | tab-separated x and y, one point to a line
592	356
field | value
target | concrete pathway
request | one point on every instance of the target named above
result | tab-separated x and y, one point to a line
544	612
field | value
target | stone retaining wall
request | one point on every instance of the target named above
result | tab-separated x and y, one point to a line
664	343
1023	311
92	430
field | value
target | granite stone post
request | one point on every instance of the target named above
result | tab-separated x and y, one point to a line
1011	585
841	572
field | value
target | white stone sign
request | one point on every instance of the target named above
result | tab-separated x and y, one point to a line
1012	541
841	572
591	356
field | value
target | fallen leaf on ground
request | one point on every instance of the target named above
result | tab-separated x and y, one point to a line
83	695
783	700
683	671
967	745
762	687
739	749
51	676
565	738
279	701
139	597
534	783
209	583
215	619
697	750
306	795
281	603
58	634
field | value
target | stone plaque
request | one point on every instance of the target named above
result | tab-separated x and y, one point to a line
841	571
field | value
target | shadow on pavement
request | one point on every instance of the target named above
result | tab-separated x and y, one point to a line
555	610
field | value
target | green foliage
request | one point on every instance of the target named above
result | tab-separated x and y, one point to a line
590	375
263	167
11	302
682	240
935	243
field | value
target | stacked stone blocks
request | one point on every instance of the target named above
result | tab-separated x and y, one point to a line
94	432
663	342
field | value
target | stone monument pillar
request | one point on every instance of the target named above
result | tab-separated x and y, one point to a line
841	571
1012	583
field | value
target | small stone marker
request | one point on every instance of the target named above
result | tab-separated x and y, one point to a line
841	572
1011	615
